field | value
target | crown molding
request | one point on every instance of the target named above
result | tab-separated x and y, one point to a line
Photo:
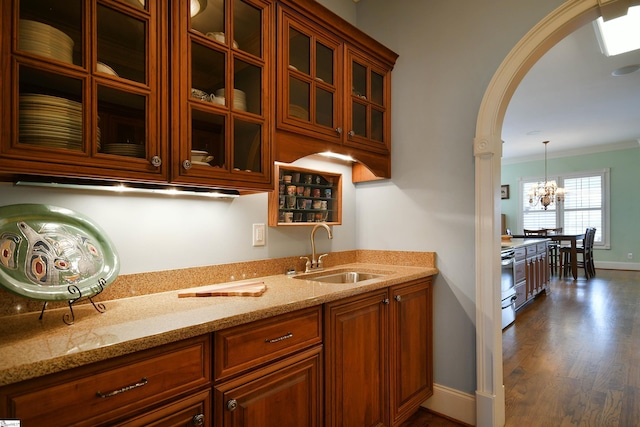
592	149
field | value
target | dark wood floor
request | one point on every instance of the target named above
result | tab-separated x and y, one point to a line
573	356
423	418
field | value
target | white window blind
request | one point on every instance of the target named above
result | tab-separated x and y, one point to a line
585	205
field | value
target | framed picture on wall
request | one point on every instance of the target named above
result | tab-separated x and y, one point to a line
504	191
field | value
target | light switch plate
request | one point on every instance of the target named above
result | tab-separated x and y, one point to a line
259	235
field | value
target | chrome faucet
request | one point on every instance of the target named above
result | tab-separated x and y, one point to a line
316	264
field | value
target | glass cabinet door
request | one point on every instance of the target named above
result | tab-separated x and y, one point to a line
368	115
222	88
84	89
308	95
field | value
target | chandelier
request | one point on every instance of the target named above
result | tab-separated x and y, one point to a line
547	192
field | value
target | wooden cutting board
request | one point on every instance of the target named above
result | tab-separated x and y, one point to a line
252	289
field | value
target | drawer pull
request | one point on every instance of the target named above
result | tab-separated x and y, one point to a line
198	420
142	382
282	338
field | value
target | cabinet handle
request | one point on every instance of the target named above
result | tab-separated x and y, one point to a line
282	338
232	405
156	161
397	298
385	301
198	420
142	382
186	164
351	133
338	130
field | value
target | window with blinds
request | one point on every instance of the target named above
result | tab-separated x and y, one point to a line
585	205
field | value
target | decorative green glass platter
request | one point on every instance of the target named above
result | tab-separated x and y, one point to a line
50	253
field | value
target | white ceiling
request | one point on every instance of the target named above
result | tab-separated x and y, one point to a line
571	99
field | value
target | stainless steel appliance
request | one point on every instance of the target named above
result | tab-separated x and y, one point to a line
508	287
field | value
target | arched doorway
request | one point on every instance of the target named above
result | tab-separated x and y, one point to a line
490	405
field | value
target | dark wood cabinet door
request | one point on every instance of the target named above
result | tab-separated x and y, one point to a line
356	358
287	393
411	348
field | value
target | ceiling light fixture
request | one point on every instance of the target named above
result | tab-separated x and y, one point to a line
546	193
623	71
619	35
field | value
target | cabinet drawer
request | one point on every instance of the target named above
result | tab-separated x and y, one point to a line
520	253
542	247
531	250
520	271
257	343
102	392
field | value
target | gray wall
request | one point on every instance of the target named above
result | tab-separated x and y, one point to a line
449	50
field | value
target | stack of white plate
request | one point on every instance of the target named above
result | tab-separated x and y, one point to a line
50	121
44	40
124	149
239	98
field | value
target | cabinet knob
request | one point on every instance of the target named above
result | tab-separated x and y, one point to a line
338	130
186	164
198	420
351	133
397	298
232	405
385	301
156	161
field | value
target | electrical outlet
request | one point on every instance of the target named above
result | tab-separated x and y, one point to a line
629	255
259	235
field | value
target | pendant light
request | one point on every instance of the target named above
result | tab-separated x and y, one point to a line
546	193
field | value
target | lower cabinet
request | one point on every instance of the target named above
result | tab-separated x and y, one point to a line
194	410
378	355
531	272
286	393
269	372
170	382
360	361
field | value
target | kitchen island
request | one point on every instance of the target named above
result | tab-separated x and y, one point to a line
531	271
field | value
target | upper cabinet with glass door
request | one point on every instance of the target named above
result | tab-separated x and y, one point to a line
368	112
220	131
333	88
309	98
85	88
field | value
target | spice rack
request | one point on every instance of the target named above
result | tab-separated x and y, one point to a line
305	197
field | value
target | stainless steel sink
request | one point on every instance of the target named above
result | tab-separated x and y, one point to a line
340	277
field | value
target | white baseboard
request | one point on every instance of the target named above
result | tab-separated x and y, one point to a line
612	265
452	403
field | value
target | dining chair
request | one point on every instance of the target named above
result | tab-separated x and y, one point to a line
553	250
585	251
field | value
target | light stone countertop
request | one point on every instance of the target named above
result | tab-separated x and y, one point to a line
519	242
31	348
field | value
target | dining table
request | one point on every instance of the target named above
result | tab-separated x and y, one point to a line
573	239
